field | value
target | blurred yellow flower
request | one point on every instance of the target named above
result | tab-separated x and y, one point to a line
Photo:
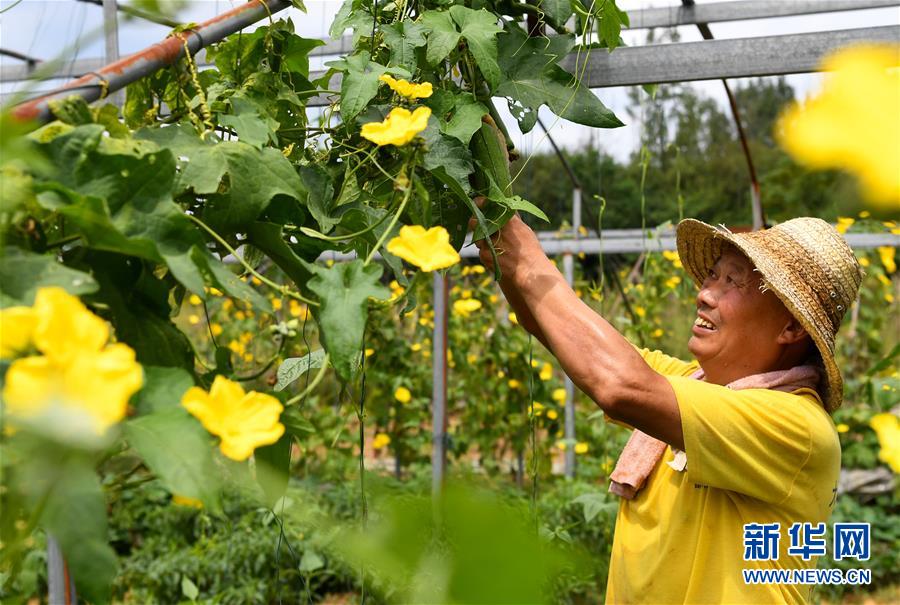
501	374
546	372
403	395
887	427
513	319
657	333
416	346
427	249
844	223
466	307
513	383
640	311
476	269
380	441
244	421
16	330
195	300
240	315
559	395
672	257
408	89
887	254
399	128
370	352
581	447
215	328
179	500
884	279
863	261
672	282
193	319
552	415
536	408
276	304
842	428
535	363
561	445
853	123
889	297
78	378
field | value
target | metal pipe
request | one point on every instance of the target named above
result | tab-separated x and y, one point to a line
114	77
60	586
439	384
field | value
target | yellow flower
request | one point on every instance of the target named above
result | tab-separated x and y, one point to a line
240	315
889	297
657	333
640	311
844	223
408	89
546	372
581	447
535	363
853	123
471	358
501	374
370	352
399	128
193	319
887	427
276	304
863	262
476	269
16	330
429	250
887	257
215	328
416	346
536	408
884	279
179	500
513	319
380	441
842	428
466	307
403	395
552	415
79	380
561	445
513	383
559	395
672	282
672	257
865	214
244	421
195	300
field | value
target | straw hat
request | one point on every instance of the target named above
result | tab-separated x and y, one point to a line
804	261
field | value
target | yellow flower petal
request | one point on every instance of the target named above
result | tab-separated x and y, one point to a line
581	448
408	89
399	128
244	421
887	254
887	427
381	441
427	249
853	124
65	328
559	395
546	372
16	330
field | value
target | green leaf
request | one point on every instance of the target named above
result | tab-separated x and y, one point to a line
320	199
480	29
448	153
222	277
311	561
294	367
72	110
295	53
179	451
344	290
273	466
442	35
189	589
466	119
75	514
403	38
611	21
268	238
595	503
360	82
520	204
246	120
557	12
23	272
162	390
531	78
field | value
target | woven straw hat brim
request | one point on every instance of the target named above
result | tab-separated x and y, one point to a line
700	246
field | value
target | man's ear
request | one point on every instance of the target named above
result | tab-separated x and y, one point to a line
792	332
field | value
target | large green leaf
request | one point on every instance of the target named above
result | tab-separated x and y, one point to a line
75	514
480	29
531	78
320	200
273	465
466	118
447	152
611	21
251	127
179	450
557	12
442	35
360	82
344	290
162	390
22	273
403	38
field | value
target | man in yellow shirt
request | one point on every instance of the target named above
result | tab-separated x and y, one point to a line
736	447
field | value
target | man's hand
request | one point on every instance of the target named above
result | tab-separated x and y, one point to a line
517	247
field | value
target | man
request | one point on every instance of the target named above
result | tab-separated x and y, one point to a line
740	437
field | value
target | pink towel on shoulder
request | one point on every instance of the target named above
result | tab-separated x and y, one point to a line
642	452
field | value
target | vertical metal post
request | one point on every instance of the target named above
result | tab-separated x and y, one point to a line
756	207
569	272
439	384
61	588
111	31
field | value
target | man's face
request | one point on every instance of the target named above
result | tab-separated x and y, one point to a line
737	325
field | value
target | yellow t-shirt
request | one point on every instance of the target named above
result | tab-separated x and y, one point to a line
753	456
